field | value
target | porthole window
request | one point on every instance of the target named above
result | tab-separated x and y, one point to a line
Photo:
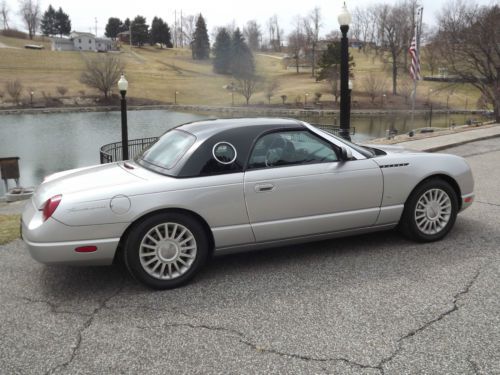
224	153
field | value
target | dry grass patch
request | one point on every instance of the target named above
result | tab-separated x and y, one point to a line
157	74
9	228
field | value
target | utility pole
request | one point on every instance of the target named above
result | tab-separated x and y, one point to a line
182	35
175	28
418	32
96	27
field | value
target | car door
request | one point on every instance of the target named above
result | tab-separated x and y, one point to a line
295	185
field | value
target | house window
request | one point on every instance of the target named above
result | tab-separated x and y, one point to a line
79	40
90	40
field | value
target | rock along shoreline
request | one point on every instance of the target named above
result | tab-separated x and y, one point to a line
239	111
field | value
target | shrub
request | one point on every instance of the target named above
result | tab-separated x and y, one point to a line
62	90
14	89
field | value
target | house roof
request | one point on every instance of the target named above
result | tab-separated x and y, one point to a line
78	33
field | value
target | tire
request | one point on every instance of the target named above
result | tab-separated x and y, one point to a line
166	250
430	211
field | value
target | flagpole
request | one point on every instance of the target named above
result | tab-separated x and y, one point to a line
418	29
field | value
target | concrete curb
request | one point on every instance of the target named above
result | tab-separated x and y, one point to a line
444	147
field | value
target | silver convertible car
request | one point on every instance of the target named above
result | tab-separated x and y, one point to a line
219	186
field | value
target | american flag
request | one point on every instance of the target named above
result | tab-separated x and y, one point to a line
415	60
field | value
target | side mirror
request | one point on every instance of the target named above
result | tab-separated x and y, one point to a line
346	154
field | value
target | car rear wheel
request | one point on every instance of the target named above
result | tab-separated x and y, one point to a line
430	211
166	250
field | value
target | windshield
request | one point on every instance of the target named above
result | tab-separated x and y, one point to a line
365	151
169	149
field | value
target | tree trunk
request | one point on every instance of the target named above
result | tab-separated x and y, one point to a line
313	60
394	74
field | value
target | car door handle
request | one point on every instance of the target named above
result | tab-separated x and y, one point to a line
262	188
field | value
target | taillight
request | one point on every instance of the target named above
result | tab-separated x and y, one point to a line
50	206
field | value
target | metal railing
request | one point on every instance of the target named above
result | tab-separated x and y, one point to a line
333	129
113	151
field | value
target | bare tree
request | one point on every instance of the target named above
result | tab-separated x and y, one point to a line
430	56
312	26
332	79
188	26
271	88
247	86
395	28
275	33
14	89
252	34
405	88
374	85
296	42
469	41
364	25
31	15
4	12
102	73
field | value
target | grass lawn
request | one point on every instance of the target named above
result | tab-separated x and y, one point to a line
157	74
9	228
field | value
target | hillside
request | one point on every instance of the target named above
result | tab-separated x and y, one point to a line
156	74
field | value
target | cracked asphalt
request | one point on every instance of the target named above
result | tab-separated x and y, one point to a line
372	304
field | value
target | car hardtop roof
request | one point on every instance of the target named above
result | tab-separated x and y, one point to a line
213	126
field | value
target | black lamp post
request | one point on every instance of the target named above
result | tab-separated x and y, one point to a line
123	86
344	21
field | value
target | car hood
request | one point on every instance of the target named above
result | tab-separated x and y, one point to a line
84	179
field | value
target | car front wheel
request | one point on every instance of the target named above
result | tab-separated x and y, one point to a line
166	250
430	211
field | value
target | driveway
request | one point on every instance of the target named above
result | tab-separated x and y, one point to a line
373	304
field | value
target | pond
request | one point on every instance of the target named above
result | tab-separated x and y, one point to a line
48	143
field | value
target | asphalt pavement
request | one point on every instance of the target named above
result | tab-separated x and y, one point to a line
372	304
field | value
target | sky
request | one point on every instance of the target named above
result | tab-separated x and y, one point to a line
216	12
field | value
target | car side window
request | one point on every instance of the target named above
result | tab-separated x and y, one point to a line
290	148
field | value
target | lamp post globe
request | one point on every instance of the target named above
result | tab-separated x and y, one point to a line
123	87
344	19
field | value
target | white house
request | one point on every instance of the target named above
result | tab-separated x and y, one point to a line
78	41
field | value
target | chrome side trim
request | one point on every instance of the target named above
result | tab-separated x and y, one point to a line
302	239
304	226
394	165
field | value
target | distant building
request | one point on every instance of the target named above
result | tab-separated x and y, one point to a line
124	37
83	42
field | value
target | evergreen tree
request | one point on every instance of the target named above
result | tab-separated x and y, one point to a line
242	63
329	65
200	45
160	33
113	27
331	58
222	52
48	23
126	25
63	23
140	31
